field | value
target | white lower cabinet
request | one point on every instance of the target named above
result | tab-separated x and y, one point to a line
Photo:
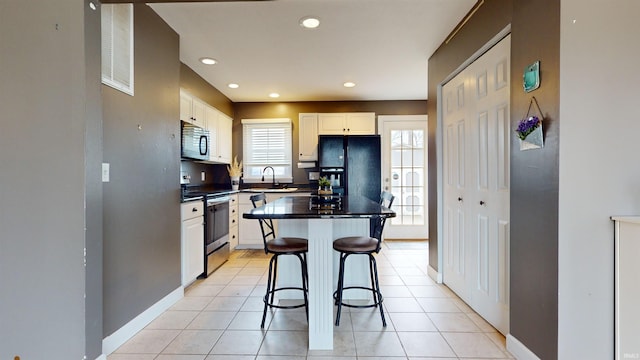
249	229
192	240
250	234
234	211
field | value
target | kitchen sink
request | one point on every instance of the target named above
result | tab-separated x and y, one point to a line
272	190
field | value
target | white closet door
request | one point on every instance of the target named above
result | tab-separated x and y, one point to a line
455	180
483	229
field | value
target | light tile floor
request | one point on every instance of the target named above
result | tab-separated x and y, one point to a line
219	319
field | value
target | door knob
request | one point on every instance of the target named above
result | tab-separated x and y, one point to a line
459	199
482	202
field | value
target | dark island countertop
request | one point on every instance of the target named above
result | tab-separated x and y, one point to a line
200	192
309	207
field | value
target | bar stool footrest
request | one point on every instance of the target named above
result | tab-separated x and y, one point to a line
374	304
265	299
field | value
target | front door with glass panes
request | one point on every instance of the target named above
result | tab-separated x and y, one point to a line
404	174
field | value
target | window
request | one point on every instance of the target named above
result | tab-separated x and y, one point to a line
117	46
267	142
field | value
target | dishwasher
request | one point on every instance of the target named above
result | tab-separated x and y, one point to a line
216	242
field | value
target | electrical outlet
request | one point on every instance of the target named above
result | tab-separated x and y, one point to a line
202	176
314	175
105	172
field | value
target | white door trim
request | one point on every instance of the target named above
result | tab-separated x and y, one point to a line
399	231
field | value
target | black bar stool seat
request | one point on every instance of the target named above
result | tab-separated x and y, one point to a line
286	245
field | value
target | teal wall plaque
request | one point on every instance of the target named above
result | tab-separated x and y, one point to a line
531	77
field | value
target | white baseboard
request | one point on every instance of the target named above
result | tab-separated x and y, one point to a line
434	274
120	336
102	357
518	350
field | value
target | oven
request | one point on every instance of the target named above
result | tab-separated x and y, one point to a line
216	242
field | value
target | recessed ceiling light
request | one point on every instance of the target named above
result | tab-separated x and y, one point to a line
309	22
92	5
208	61
349	84
274	95
233	85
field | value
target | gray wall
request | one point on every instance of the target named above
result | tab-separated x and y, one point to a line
45	127
534	183
141	202
201	89
490	19
93	183
534	174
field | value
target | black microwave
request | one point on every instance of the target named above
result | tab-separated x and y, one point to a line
195	142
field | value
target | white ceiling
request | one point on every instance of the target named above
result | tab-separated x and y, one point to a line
381	45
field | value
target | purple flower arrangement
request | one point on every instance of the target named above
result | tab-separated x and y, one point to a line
526	126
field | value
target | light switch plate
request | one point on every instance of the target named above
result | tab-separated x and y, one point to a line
314	175
105	172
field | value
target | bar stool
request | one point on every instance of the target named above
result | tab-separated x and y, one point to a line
363	245
278	246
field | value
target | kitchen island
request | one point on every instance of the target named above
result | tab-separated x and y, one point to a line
321	223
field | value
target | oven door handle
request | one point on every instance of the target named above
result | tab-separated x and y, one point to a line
218	201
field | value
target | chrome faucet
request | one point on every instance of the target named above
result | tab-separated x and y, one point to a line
273	176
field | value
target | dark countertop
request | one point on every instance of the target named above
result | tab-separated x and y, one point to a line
199	193
305	207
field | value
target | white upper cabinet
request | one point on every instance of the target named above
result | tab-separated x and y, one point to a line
347	123
361	123
212	126
192	109
220	127
185	107
218	124
331	124
308	137
225	133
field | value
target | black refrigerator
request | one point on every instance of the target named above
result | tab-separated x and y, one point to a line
352	163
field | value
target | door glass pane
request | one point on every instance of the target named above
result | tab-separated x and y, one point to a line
408	176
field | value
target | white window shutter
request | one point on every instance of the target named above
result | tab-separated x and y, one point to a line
267	142
117	46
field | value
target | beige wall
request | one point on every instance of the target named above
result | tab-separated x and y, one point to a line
292	109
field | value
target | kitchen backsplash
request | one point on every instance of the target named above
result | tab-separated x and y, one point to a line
215	175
